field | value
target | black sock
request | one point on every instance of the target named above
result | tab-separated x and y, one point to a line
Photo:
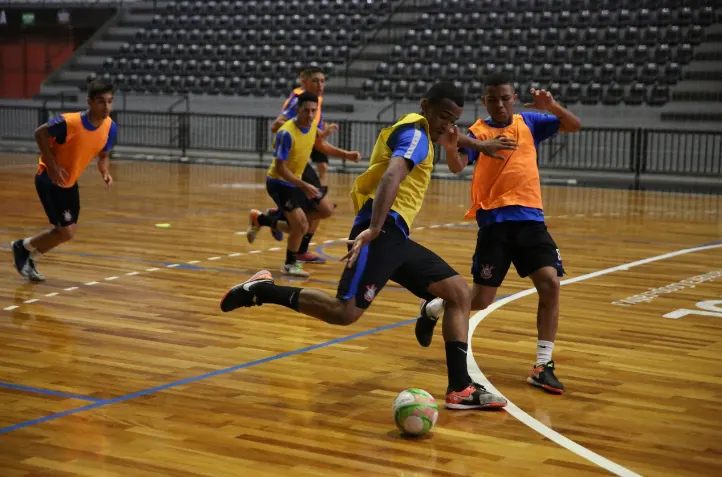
304	243
277	295
324	190
459	377
290	257
267	221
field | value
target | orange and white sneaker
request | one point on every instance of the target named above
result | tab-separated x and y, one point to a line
253	225
542	376
242	294
475	396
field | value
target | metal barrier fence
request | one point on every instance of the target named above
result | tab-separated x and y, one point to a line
637	150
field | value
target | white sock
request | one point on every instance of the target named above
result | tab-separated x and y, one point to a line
36	254
544	351
28	246
435	308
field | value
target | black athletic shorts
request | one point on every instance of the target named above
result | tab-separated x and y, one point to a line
61	204
317	156
527	244
391	256
288	198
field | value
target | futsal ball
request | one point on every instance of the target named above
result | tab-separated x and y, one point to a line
415	411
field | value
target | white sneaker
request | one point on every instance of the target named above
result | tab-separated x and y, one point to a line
294	270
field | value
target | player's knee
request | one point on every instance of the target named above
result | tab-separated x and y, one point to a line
458	293
348	314
66	233
325	209
548	287
300	225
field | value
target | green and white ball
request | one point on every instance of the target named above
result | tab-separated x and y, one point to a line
415	411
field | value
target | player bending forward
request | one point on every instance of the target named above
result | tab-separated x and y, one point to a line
386	199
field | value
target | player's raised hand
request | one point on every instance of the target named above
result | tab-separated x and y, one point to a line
354	156
542	99
492	147
450	138
357	244
331	128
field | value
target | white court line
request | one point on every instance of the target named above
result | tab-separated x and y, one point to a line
32	300
255	251
10	308
275	249
132	274
173	265
71	289
236	254
511	408
193	261
328	241
51	294
240	233
213	258
90	284
152	269
110	279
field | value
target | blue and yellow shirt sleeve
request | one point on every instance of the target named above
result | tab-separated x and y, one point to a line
471	154
410	142
291	109
284	142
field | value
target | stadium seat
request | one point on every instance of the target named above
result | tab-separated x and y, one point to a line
592	94
635	95
658	95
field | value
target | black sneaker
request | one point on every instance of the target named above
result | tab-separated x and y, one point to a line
425	326
20	257
242	295
32	273
543	376
475	396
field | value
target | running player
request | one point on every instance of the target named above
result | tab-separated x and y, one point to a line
387	198
507	205
300	201
68	143
312	80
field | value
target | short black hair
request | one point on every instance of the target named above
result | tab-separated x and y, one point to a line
307	97
498	79
445	90
311	70
100	86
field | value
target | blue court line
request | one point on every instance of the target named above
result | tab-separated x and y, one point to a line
50	392
194	379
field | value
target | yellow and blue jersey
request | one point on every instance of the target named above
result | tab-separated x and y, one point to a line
75	142
509	189
409	139
293	146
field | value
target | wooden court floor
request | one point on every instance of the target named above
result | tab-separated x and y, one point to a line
122	364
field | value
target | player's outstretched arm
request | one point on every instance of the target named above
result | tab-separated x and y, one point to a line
278	122
490	147
543	100
323	147
327	130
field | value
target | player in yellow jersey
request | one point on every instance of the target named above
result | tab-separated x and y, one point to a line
311	80
387	198
68	143
301	202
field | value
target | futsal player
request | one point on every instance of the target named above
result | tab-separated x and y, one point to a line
507	205
300	201
311	80
387	198
68	143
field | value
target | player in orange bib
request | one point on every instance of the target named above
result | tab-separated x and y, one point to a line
506	202
68	143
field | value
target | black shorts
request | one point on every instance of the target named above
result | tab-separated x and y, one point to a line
391	256
317	157
286	197
527	244
61	204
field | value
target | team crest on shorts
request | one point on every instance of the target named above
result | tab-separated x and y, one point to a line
67	216
370	293
486	271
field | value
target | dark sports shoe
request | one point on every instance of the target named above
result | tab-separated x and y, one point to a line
242	294
542	375
475	396
32	273
20	257
425	326
276	234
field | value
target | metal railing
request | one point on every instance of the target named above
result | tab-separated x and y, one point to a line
630	150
